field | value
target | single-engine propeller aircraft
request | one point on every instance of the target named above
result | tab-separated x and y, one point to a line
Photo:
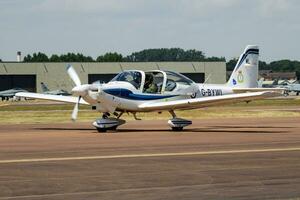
136	91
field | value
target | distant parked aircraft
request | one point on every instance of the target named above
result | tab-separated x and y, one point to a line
8	94
292	87
54	92
285	84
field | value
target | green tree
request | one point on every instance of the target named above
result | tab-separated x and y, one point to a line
69	57
170	54
165	54
55	58
263	65
231	64
215	59
36	57
110	57
285	66
27	58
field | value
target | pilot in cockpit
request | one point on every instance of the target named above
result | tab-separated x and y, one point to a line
150	86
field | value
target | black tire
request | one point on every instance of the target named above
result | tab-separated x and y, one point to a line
114	128
177	128
297	94
102	130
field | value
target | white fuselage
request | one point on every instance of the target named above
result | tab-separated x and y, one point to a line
123	96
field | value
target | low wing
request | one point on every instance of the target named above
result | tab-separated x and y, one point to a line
206	101
243	90
68	99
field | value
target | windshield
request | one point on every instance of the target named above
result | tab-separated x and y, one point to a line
133	77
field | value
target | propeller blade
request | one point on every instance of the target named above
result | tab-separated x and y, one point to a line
75	110
73	75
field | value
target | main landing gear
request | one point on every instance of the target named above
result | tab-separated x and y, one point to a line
176	123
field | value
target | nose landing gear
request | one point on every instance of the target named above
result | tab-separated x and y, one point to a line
176	123
105	124
108	123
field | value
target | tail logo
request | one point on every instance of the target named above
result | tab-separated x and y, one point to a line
240	77
233	81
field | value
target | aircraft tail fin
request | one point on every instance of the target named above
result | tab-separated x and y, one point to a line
245	73
44	87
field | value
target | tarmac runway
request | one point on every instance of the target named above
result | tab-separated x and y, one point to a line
212	159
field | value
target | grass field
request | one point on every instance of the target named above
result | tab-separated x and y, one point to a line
43	112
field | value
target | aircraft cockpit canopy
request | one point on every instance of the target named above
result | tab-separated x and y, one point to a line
155	81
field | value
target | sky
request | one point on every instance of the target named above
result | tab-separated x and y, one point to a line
94	27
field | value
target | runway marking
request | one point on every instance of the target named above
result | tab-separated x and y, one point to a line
148	155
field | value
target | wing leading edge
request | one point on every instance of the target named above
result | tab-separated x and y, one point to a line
206	101
68	99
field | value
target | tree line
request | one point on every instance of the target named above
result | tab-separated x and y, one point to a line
147	55
158	55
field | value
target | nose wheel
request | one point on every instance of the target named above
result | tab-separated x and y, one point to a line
104	130
177	128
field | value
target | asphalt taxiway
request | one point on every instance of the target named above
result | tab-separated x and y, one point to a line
212	159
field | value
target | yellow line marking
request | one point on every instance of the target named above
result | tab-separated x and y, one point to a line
149	155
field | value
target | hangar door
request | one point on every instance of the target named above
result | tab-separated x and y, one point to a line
100	77
27	82
196	77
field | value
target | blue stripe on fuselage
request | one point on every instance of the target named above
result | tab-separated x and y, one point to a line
127	94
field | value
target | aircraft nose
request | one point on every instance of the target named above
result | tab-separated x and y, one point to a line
80	90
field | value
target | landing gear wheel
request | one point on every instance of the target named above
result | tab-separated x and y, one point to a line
102	130
114	128
107	124
177	128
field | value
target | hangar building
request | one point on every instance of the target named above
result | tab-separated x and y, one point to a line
30	75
